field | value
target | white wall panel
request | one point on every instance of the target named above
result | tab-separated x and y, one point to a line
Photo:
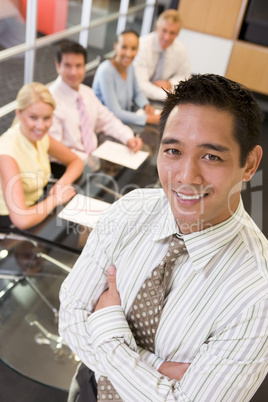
208	54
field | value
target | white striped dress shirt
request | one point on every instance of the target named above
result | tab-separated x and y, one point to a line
215	316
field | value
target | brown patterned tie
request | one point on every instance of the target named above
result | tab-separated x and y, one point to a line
144	314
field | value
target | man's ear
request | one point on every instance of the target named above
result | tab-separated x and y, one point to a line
252	162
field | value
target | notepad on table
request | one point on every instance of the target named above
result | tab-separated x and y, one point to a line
120	154
84	210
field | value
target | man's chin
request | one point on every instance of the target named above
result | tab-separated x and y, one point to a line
190	222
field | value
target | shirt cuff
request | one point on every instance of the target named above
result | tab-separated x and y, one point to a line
128	134
110	323
150	358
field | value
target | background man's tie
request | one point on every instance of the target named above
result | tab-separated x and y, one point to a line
144	314
158	74
85	126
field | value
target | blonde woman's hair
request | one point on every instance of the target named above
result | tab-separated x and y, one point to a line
30	94
33	93
169	15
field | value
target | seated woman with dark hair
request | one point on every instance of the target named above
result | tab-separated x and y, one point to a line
116	86
24	161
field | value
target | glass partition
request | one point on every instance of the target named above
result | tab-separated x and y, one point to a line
11	73
31	29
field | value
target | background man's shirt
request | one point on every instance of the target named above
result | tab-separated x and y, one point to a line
66	124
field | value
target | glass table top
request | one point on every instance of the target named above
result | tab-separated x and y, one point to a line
31	274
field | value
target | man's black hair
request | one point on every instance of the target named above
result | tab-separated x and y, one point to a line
224	94
69	46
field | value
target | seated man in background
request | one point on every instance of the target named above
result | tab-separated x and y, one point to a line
79	115
168	300
162	60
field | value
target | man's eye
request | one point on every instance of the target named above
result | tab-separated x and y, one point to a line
212	157
172	151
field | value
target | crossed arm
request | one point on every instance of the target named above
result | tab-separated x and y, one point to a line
111	297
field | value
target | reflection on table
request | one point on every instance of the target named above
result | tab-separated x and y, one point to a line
31	273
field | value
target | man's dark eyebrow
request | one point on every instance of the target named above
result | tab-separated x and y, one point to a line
169	140
215	147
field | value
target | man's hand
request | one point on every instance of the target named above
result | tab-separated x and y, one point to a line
149	109
111	296
135	144
173	370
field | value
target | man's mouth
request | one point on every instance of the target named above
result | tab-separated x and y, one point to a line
191	197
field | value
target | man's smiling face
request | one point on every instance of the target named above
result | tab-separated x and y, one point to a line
72	69
199	166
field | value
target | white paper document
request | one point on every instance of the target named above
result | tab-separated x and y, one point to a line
84	210
120	154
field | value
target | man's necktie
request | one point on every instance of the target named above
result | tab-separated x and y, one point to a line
144	314
85	126
158	74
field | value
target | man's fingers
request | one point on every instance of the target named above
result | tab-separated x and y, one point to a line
111	276
135	144
138	144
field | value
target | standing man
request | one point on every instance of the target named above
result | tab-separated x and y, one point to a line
185	316
162	60
79	115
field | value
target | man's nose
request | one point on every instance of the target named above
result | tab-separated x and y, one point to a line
189	172
73	70
167	36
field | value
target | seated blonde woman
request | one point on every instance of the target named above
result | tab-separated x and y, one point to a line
24	161
116	86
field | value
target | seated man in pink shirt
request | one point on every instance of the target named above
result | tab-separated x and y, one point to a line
79	115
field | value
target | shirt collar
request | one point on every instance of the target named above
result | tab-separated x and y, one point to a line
166	224
202	246
158	48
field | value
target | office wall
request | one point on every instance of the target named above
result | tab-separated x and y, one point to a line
211	30
213	17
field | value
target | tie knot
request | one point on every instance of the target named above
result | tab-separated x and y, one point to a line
79	101
176	246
